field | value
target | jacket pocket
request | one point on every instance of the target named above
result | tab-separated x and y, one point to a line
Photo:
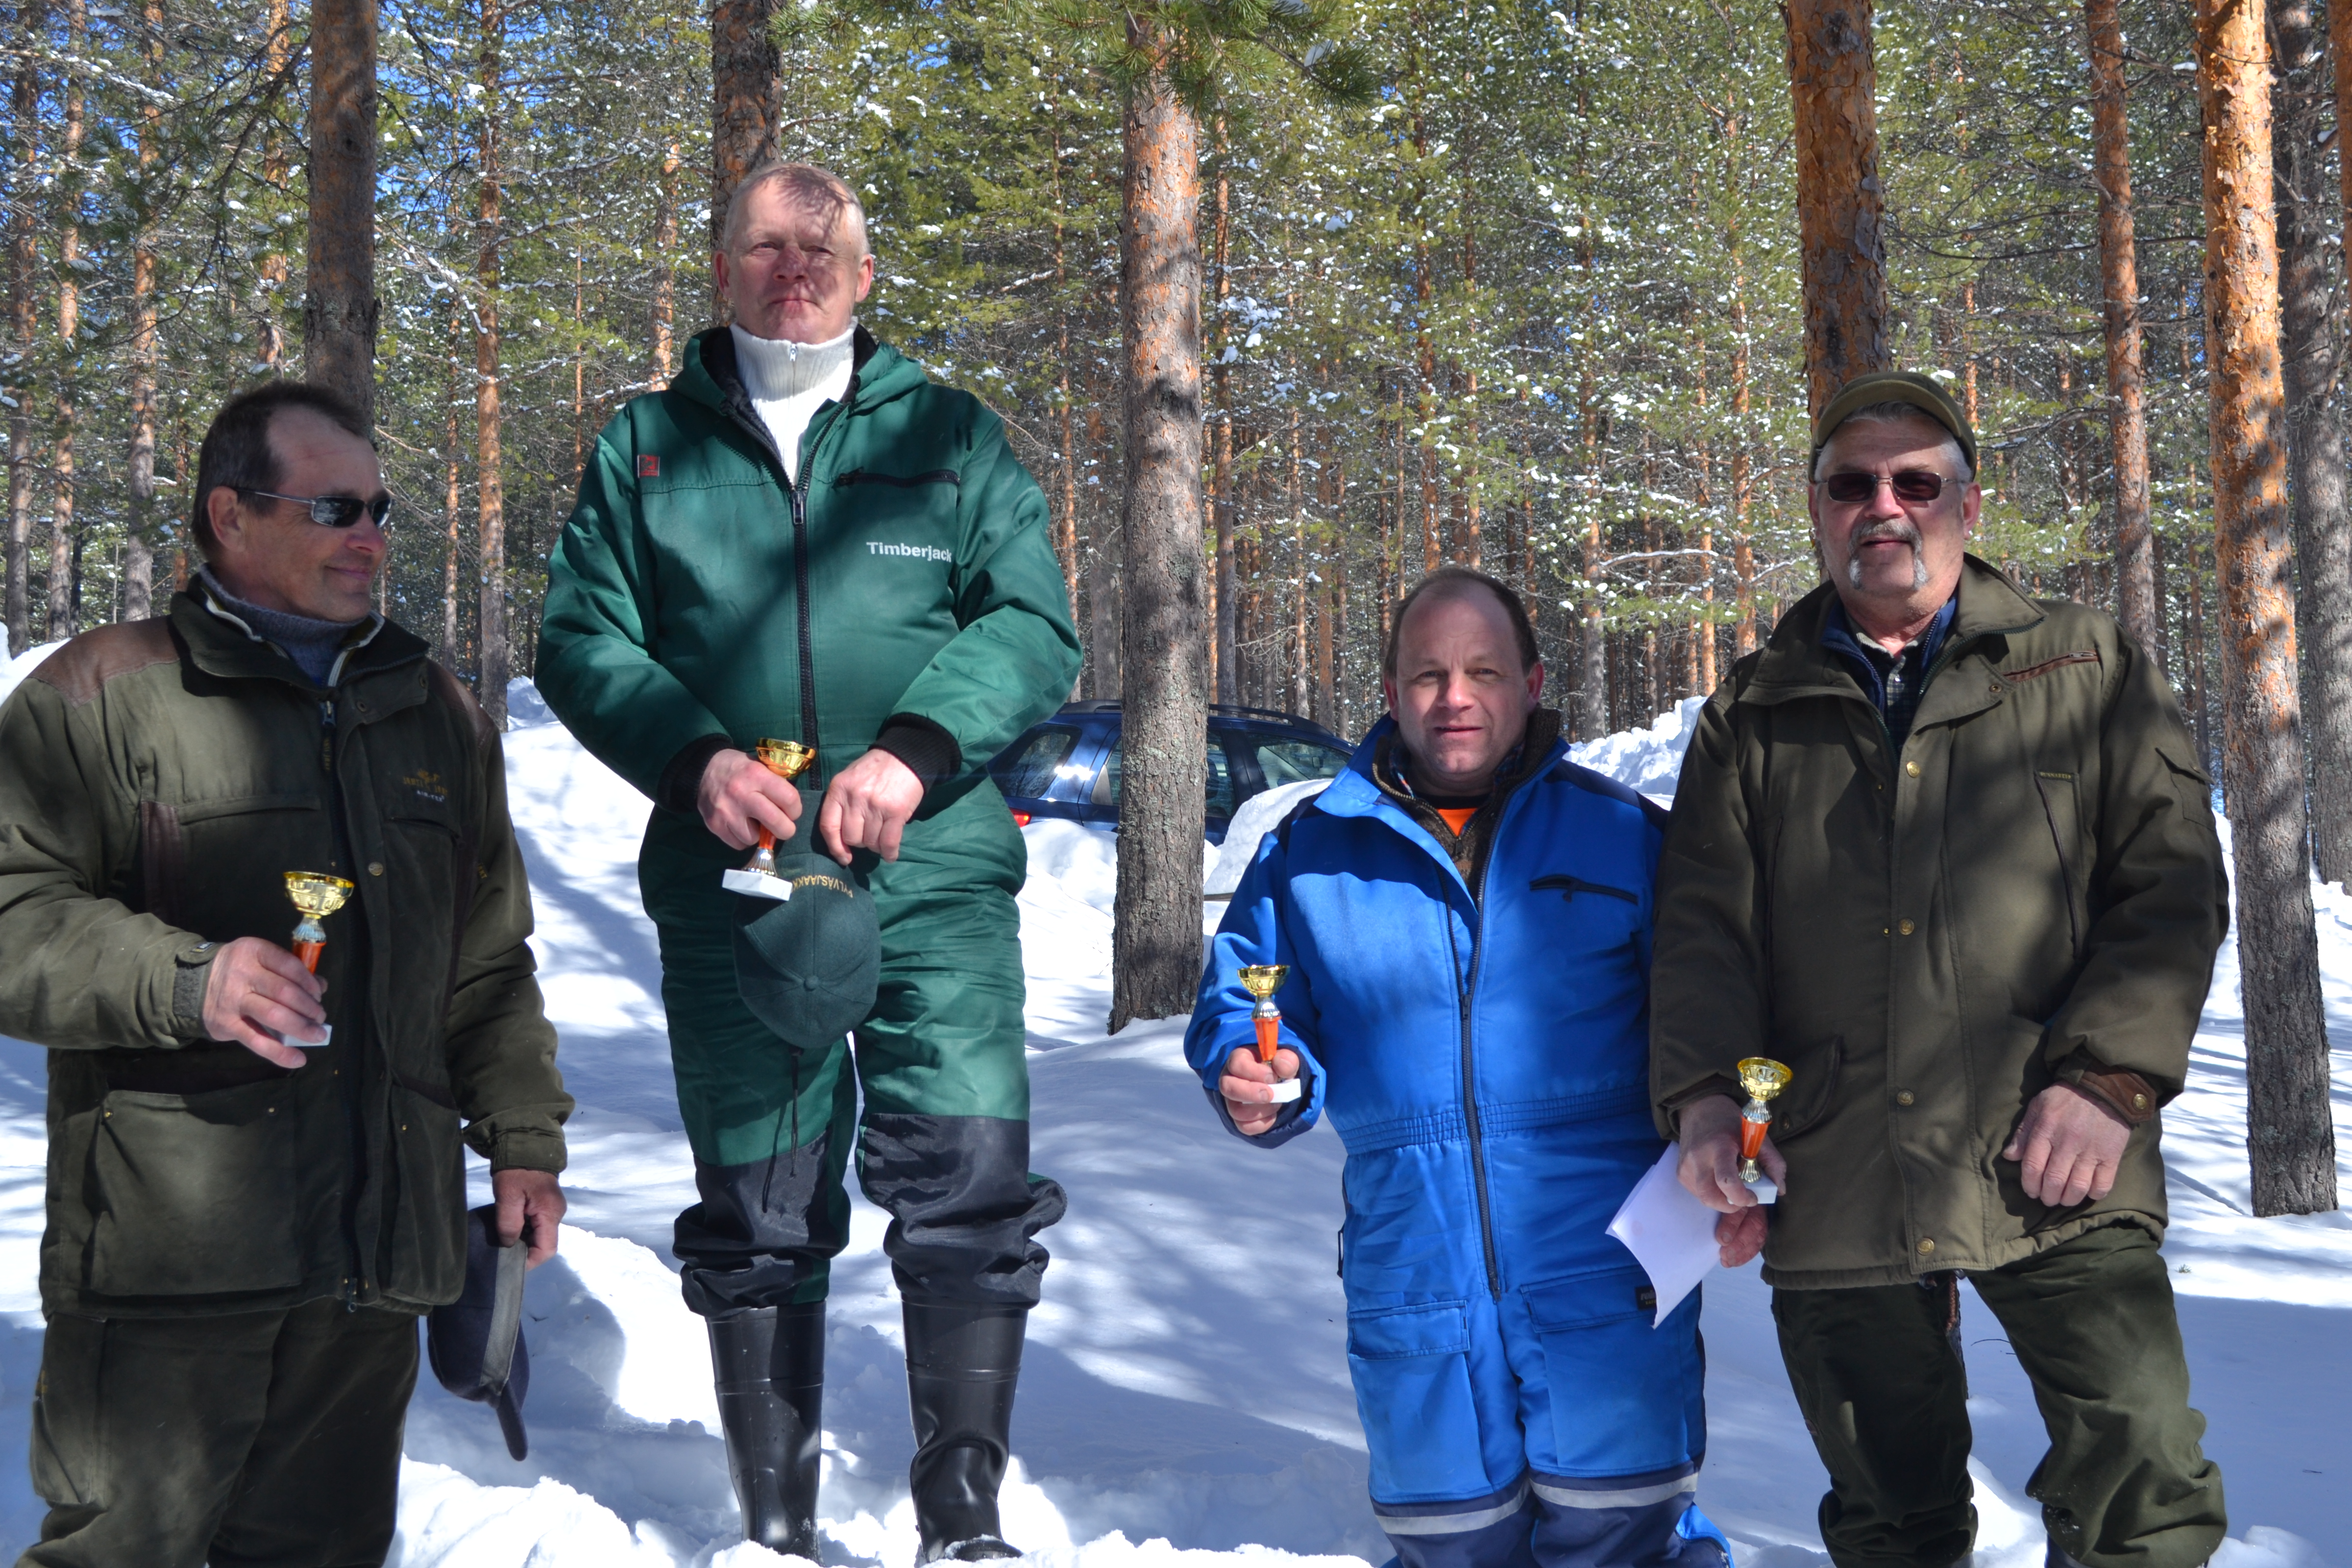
1811	1090
1412	1371
427	1261
193	1195
2061	808
1625	1397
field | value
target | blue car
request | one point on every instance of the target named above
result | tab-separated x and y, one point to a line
1067	766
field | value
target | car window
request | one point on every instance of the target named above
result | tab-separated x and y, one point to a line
1221	780
1288	761
1029	772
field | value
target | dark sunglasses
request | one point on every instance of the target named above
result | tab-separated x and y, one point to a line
1908	484
333	512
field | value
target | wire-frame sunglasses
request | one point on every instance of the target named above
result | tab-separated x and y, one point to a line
333	512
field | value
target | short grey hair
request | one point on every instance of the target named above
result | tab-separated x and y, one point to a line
804	185
1896	412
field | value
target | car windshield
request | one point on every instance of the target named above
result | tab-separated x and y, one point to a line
1029	773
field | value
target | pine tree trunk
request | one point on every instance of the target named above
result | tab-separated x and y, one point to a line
275	267
2291	1136
339	307
1156	940
1226	588
2324	531
24	260
61	464
665	308
489	487
138	547
747	100
1833	77
1103	577
453	476
2135	605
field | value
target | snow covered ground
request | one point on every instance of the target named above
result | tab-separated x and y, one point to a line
1185	1403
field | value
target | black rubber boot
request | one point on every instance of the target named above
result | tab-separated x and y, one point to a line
961	1364
769	1364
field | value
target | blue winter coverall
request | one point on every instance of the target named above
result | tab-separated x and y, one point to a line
1484	1054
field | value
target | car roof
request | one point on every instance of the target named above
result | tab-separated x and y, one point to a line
1223	715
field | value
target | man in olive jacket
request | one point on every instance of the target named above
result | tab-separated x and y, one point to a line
803	538
1948	854
257	1180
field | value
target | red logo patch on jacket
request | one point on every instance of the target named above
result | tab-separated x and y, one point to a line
648	466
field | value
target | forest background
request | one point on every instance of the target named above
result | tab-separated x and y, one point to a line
1536	306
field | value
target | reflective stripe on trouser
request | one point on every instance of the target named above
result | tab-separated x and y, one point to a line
944	1148
1548	1522
1591	1420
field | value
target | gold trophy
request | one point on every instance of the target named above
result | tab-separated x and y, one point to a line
757	876
316	896
1763	1078
1261	981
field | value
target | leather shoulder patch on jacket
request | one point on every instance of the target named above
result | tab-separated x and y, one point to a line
79	671
2080	656
452	690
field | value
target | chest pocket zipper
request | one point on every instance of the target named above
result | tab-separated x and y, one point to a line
1568	887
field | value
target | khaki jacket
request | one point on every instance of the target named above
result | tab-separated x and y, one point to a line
2031	888
160	778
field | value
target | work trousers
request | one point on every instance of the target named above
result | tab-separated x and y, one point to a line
248	1440
1877	1371
944	1141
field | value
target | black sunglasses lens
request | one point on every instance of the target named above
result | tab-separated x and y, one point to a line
1918	484
1850	486
343	511
1911	484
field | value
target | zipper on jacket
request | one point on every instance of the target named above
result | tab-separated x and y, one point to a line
801	592
1469	997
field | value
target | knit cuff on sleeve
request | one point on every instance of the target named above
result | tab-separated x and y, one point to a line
929	753
681	781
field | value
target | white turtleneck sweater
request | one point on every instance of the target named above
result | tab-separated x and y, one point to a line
790	381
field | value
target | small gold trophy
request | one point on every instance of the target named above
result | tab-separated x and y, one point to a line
316	896
1763	1078
757	876
1261	981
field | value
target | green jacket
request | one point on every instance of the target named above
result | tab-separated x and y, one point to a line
906	583
2030	889
161	778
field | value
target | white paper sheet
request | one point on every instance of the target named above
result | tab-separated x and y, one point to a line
1670	1233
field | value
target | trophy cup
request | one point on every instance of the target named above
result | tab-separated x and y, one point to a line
757	876
1261	981
316	896
1763	1078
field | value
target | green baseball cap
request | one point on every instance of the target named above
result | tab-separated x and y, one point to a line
808	966
1922	392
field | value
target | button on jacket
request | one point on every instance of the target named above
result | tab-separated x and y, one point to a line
162	776
2028	888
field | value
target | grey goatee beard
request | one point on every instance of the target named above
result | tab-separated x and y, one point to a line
1900	531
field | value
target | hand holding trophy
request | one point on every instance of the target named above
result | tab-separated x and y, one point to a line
1261	981
787	760
1763	1078
316	895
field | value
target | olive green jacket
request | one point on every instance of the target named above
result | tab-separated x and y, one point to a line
2030	888
160	777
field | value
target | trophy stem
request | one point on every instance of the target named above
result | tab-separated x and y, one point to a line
1267	1021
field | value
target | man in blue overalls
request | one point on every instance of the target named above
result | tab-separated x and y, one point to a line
1467	916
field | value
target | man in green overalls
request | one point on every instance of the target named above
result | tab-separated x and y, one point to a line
803	538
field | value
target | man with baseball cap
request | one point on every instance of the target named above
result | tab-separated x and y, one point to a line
1948	854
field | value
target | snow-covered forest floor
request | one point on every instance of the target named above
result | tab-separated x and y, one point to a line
1185	1396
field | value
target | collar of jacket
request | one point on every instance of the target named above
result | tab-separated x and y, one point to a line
222	646
1357	792
877	372
1797	664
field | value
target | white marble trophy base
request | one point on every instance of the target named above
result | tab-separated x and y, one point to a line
1287	1089
758	884
1766	1193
